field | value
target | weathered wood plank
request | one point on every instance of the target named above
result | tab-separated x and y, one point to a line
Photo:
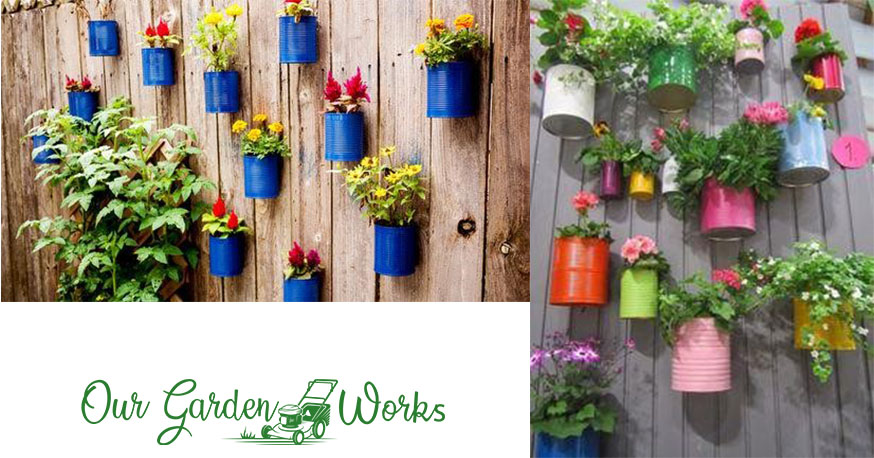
170	100
93	65
115	79
138	13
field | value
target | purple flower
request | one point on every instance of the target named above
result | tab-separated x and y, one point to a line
584	354
630	343
536	359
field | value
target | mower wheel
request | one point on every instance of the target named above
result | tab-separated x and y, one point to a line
265	431
319	429
297	437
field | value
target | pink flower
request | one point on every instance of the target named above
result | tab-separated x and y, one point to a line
332	89
584	201
684	124
659	134
631	250
647	245
769	113
630	343
726	276
532	20
747	7
656	145
537	78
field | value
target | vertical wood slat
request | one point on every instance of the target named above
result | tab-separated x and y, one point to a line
170	100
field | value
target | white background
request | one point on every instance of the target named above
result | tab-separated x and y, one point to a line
470	357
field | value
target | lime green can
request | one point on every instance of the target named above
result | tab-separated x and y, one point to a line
638	295
673	78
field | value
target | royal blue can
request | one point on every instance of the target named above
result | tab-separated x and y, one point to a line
344	136
158	67
82	104
226	255
222	91
451	90
261	176
298	40
103	38
804	159
582	446
44	156
297	290
396	250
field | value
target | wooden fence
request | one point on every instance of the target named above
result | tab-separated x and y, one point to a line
775	406
474	233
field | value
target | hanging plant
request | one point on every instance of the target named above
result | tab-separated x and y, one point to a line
606	157
581	258
216	40
821	57
302	275
752	31
644	267
157	54
263	148
344	122
226	238
298	37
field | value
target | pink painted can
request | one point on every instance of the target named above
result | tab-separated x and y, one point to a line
701	362
828	67
749	56
726	213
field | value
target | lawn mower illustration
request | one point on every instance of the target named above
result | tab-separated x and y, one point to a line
306	419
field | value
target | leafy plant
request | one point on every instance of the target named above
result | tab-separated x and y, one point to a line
51	123
302	267
811	42
814	110
127	206
636	158
221	224
442	45
569	383
609	148
641	252
159	36
754	14
263	139
582	202
563	31
386	193
80	86
297	8
356	94
216	38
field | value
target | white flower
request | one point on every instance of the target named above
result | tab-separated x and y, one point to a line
805	296
744	282
825	326
814	353
758	290
863	331
857	294
836	294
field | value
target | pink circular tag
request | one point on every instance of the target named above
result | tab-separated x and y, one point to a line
851	152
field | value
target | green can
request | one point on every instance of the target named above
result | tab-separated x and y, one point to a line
673	78
638	296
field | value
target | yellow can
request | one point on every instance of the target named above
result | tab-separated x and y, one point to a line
838	334
641	186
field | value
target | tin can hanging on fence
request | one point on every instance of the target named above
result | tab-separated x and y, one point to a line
103	38
804	159
838	335
452	90
299	290
673	78
344	136
261	176
701	360
44	156
569	101
727	213
298	41
638	296
226	255
158	67
611	180
580	269
222	91
83	104
586	445
749	56
828	67
395	250
669	176
641	186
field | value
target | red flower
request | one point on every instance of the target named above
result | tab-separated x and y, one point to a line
726	276
538	77
313	258
574	22
150	31
218	208
808	28
295	256
86	83
292	1
233	222
356	88
333	91
163	29
71	83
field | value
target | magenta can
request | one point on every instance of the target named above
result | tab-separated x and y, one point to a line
727	213
611	180
828	67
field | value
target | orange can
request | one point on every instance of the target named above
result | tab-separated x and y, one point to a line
580	269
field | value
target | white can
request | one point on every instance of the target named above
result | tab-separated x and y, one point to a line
669	176
569	101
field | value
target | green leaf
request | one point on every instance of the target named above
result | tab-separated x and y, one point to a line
557	408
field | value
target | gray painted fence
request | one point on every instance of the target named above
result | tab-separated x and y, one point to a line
775	407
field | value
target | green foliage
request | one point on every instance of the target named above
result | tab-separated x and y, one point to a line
609	148
759	19
443	45
216	39
586	229
217	226
263	139
639	159
810	48
298	10
563	43
127	212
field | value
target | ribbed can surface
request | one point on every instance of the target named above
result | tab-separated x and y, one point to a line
804	159
158	67
298	41
586	445
726	213
226	256
829	68
222	92
673	78
451	90
701	362
395	250
641	186
82	104
296	290
261	176
837	334
749	56
639	293
44	156
580	271
611	180
344	136
103	38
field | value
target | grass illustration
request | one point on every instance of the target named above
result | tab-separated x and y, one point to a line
247	434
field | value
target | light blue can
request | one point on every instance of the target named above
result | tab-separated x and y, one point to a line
804	160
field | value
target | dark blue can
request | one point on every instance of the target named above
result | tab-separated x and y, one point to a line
452	90
158	67
226	255
396	250
298	40
82	104
103	38
583	446
344	136
261	176
222	91
44	156
297	290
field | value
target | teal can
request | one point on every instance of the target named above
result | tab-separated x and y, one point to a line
673	78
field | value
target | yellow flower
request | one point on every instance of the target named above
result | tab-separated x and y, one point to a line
435	27
365	161
387	151
601	128
254	135
234	10
239	126
394	177
260	117
414	169
380	193
213	18
465	21
275	127
420	49
815	82
818	111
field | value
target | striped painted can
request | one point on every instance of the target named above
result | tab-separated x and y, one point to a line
586	445
396	250
580	272
727	213
829	68
638	295
298	41
344	136
569	102
452	90
103	38
261	176
297	290
158	67
226	255
222	91
701	361
804	159
83	105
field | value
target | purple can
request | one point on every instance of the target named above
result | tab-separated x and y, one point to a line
611	180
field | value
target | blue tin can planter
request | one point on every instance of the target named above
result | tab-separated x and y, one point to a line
396	250
222	91
226	256
44	156
804	160
82	104
584	446
158	67
296	290
103	38
298	41
344	136
451	90
261	176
